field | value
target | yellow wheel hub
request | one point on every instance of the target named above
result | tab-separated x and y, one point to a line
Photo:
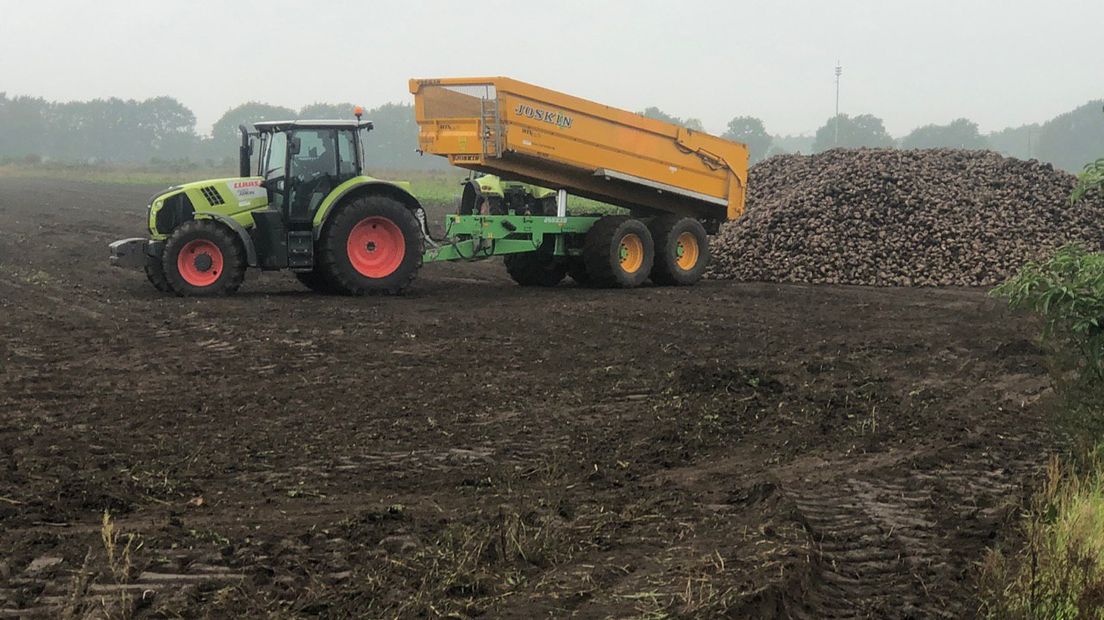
632	253
687	251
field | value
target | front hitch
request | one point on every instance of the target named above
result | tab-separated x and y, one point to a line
134	252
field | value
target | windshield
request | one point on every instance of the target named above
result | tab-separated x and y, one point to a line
276	156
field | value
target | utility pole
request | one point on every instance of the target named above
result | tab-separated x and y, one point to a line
839	72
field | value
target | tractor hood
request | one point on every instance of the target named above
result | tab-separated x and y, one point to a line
233	197
218	192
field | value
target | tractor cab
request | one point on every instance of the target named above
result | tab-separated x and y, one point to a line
301	162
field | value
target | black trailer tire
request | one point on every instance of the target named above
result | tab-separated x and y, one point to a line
315	281
576	268
681	250
537	268
548	205
496	205
618	252
471	199
155	273
371	244
203	258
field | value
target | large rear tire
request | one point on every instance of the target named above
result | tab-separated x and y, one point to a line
315	281
618	252
681	248
203	258
371	244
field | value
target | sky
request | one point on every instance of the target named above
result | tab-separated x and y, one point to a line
998	62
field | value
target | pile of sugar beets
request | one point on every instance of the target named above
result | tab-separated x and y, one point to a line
883	217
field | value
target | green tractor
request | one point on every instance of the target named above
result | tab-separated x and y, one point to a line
305	205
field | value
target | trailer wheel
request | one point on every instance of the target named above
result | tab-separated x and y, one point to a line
682	250
537	268
203	258
548	205
315	281
469	200
618	252
576	268
372	244
155	273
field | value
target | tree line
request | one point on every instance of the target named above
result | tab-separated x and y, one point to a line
163	129
1067	141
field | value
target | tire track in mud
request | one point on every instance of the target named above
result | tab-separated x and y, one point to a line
889	541
56	306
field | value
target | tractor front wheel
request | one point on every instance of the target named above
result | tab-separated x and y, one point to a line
155	273
372	244
203	258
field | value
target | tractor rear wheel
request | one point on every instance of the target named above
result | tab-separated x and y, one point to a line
537	268
618	252
682	250
155	273
315	281
203	258
372	244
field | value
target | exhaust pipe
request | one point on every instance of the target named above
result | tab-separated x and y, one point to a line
245	151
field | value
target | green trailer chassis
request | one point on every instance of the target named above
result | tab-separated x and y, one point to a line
476	237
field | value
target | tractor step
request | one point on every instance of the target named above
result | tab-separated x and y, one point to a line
300	244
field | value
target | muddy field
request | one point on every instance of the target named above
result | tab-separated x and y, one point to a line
478	449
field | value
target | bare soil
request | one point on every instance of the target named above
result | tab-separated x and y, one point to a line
480	449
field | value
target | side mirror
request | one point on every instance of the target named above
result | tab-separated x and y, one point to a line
294	146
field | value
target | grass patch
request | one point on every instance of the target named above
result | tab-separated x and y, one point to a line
1059	571
116	563
436	187
169	173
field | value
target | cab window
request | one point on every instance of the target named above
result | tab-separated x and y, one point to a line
313	168
313	153
346	155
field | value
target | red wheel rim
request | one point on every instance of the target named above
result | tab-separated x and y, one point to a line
376	247
199	262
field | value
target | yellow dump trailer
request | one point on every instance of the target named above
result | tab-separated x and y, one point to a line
677	184
517	130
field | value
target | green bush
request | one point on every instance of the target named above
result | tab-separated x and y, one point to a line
1091	179
1067	293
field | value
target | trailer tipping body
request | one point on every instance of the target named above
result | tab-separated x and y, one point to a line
517	130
